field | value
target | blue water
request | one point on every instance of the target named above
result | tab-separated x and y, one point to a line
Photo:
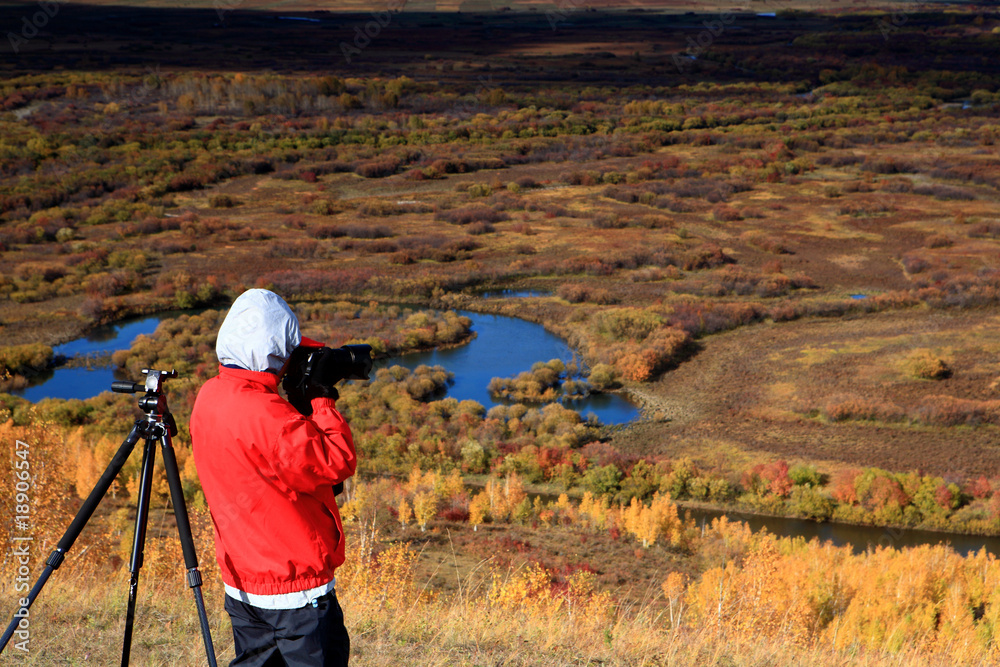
513	294
108	339
503	347
81	382
859	538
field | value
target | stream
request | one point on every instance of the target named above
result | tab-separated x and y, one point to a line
503	347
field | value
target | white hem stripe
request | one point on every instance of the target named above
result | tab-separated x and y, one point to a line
293	600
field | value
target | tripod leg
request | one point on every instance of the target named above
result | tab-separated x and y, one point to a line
139	541
187	540
82	516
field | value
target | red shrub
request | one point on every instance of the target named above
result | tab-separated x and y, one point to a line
465	215
381	168
883	491
950	411
979	488
770	478
706	256
845	407
945	497
842	487
550	457
726	214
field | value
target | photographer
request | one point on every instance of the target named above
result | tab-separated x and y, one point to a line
268	472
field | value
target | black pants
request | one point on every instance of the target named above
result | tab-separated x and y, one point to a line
312	636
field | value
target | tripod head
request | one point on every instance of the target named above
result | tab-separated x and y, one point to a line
154	401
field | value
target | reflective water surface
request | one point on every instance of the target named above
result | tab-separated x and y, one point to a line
503	347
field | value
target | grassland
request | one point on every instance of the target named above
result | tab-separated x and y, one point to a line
781	240
701	198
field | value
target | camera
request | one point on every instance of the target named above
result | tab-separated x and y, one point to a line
328	366
314	371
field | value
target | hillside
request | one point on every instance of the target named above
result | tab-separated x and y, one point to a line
778	234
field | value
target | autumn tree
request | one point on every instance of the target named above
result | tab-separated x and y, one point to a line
425	506
479	509
405	512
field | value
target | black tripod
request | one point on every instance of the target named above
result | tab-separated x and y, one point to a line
158	426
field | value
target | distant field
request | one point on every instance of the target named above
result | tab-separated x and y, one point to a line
772	388
778	234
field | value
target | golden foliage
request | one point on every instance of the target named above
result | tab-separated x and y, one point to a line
479	508
532	592
673	588
925	364
378	580
505	496
925	598
405	512
649	522
593	512
35	485
425	506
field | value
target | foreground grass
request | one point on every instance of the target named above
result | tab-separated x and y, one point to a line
80	620
909	607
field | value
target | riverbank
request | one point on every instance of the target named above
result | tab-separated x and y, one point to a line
656	408
860	537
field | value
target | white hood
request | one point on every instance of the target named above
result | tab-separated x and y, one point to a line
259	332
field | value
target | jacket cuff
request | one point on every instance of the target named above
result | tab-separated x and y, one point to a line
323	402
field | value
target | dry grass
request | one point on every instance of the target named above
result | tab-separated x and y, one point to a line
79	618
764	382
497	616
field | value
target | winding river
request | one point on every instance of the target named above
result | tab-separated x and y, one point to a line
859	538
503	347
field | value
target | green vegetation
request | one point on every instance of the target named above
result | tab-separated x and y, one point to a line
546	382
784	248
20	362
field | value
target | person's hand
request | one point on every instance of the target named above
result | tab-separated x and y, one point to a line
301	399
321	391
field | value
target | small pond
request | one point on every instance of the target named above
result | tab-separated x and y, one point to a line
84	381
513	293
503	347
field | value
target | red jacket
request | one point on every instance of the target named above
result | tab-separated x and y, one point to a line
268	474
